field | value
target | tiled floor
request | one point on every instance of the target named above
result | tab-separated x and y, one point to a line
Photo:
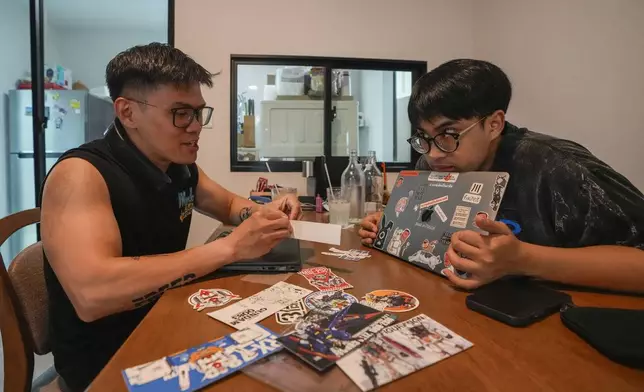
41	363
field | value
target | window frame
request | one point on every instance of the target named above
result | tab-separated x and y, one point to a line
417	69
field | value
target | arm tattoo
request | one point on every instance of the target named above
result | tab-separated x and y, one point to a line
154	295
245	213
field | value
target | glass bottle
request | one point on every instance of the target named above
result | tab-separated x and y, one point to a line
374	185
353	187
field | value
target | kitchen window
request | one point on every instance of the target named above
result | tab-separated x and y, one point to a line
287	109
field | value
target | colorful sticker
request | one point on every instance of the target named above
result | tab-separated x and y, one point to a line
484	214
398	239
461	217
393	300
74	104
399	181
401	205
291	314
446	238
472	198
211	298
440	213
383	231
499	188
55	96
434	202
328	303
443	177
476	188
324	279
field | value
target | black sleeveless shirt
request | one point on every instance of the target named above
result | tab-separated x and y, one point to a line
153	211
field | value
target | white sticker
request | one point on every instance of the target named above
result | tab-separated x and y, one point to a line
259	306
461	217
470	198
440	213
442	177
434	202
476	188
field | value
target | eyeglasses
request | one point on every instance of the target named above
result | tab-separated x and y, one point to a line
183	117
446	141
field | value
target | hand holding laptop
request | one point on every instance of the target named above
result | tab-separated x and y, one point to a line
369	228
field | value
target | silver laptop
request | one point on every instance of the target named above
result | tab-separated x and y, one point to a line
426	208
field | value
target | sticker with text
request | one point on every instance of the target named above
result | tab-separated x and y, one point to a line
443	177
476	188
291	314
324	279
472	198
440	213
211	298
461	217
434	202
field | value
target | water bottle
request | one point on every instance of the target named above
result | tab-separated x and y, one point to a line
374	185
353	187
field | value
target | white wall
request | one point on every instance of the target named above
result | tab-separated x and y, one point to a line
87	50
411	30
14	62
576	67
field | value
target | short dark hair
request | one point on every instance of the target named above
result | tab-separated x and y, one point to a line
146	67
459	89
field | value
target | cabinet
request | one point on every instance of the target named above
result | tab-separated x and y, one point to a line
295	128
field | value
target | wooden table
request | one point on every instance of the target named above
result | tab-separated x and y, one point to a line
543	357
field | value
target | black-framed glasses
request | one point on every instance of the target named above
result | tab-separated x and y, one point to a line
446	141
183	117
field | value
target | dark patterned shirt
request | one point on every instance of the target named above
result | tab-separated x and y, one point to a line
559	194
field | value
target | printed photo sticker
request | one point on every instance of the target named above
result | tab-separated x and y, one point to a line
461	217
291	314
324	279
398	239
328	303
211	298
394	300
476	188
399	182
401	205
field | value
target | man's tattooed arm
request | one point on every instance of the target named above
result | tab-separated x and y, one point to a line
245	213
154	295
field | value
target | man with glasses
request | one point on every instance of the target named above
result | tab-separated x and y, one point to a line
116	211
566	216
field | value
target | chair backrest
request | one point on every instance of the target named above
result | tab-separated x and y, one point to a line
17	341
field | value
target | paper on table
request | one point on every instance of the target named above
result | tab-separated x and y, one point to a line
317	232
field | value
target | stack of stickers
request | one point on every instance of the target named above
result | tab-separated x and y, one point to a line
328	326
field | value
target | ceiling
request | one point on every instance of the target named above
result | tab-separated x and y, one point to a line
142	14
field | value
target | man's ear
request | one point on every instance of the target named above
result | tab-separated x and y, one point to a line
496	123
124	110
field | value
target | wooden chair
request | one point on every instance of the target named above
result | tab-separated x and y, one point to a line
24	311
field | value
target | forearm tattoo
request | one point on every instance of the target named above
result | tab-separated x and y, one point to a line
154	295
245	213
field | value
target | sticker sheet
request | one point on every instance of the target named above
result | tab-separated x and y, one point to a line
400	350
199	366
324	279
322	343
259	306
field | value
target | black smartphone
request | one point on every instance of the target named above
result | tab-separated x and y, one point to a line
516	302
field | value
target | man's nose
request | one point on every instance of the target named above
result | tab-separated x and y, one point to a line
435	153
194	126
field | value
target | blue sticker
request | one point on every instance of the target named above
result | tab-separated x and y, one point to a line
514	226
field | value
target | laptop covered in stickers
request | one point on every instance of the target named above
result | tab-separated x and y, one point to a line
425	208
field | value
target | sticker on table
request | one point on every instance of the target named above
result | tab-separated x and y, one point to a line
442	177
257	307
401	205
291	314
328	303
398	239
383	231
499	188
482	214
476	188
434	202
202	365
324	279
211	298
461	217
440	213
472	198
393	300
399	350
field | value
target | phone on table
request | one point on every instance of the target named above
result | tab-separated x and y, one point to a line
517	302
